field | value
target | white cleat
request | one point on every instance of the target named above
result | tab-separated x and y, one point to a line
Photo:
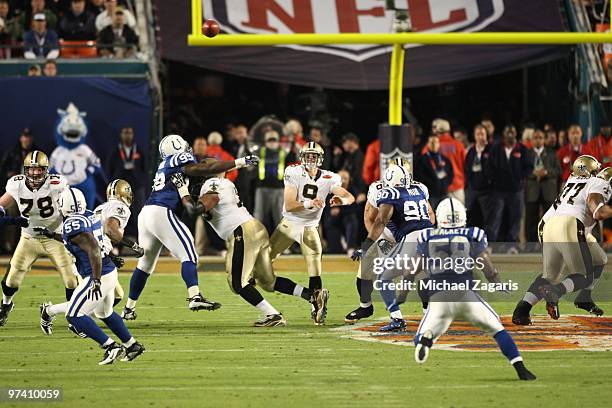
46	320
421	352
111	353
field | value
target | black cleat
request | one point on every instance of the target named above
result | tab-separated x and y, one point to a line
4	312
523	373
199	302
520	316
421	352
129	313
46	320
358	314
271	321
76	331
549	293
133	351
590	307
111	353
395	325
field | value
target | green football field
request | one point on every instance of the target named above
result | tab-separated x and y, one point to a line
211	359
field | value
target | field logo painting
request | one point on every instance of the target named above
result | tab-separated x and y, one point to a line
570	332
349	16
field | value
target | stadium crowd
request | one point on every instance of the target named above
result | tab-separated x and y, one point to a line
73	28
506	179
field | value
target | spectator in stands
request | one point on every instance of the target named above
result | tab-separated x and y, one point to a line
246	176
541	188
527	135
317	135
509	164
40	42
435	171
350	158
105	18
568	153
455	152
551	138
117	40
341	224
490	127
50	68
371	164
270	174
477	182
34	70
37	6
95	7
77	24
11	163
601	145
215	151
12	28
127	162
293	138
461	135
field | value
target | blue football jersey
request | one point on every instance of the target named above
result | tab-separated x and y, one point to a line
409	209
76	224
450	254
164	192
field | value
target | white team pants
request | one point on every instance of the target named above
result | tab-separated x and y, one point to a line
444	307
159	226
80	305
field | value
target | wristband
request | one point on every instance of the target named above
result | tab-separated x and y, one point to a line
183	191
307	204
240	163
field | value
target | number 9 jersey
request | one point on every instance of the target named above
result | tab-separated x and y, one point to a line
309	188
39	206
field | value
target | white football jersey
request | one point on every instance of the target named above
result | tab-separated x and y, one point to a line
229	213
308	188
39	206
114	209
573	199
373	190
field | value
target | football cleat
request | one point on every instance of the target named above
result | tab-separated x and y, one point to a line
394	325
358	314
111	353
549	293
421	352
320	311
523	373
4	312
133	351
271	321
590	307
199	302
46	320
520	316
129	313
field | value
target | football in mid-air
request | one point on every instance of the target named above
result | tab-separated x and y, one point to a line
210	28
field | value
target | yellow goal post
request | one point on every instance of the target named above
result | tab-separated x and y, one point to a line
397	40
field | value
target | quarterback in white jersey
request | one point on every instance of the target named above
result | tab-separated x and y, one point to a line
306	188
36	194
568	245
248	255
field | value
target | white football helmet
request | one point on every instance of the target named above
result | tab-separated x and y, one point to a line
173	144
72	201
451	213
396	176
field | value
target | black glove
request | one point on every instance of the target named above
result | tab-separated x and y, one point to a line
178	180
357	255
20	221
44	231
95	291
117	260
251	160
385	246
138	250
